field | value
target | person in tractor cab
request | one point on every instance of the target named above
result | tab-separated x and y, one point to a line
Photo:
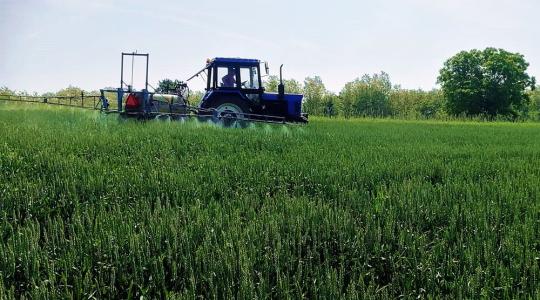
229	80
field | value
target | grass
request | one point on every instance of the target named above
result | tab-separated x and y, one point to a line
95	207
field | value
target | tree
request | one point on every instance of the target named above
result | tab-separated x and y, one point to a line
346	104
70	91
367	96
271	84
314	94
291	86
5	91
489	82
195	97
168	85
534	104
416	103
331	105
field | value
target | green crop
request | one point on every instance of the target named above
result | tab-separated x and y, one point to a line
96	207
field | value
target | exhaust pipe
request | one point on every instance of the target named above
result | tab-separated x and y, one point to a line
281	86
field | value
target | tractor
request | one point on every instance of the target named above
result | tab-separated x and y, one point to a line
234	92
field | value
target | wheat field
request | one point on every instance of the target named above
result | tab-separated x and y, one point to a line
92	206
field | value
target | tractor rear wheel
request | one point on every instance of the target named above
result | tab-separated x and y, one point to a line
231	112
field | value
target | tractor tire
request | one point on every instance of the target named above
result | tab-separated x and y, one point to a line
230	112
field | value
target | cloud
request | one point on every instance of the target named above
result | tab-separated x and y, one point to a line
184	19
82	4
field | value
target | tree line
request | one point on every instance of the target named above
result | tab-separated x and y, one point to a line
375	96
490	84
367	96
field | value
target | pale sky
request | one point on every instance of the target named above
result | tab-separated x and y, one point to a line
46	45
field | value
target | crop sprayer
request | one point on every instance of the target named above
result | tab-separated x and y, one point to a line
234	95
234	92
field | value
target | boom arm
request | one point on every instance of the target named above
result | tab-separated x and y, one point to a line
197	74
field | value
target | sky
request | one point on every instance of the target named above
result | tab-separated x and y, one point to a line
47	45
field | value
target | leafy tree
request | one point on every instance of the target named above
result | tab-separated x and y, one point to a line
291	85
271	84
347	109
331	105
416	103
168	85
70	91
534	104
314	96
367	96
313	89
489	82
431	104
5	91
195	97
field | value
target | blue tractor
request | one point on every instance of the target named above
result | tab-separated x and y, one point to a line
234	92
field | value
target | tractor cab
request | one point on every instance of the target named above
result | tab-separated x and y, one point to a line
234	74
234	89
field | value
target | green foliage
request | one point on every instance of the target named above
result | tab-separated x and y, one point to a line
168	85
317	101
5	91
270	84
533	108
331	105
314	96
291	85
417	103
195	97
95	207
70	91
488	82
367	96
475	85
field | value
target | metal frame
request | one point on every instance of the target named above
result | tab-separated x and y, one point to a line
133	54
121	90
213	81
92	101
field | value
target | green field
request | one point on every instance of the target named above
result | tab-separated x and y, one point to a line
95	207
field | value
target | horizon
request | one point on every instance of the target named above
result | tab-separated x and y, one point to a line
52	44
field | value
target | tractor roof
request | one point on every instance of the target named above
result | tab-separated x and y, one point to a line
225	62
240	61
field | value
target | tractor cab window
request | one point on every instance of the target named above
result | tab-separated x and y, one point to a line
226	77
249	78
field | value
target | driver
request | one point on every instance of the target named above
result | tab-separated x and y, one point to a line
229	80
